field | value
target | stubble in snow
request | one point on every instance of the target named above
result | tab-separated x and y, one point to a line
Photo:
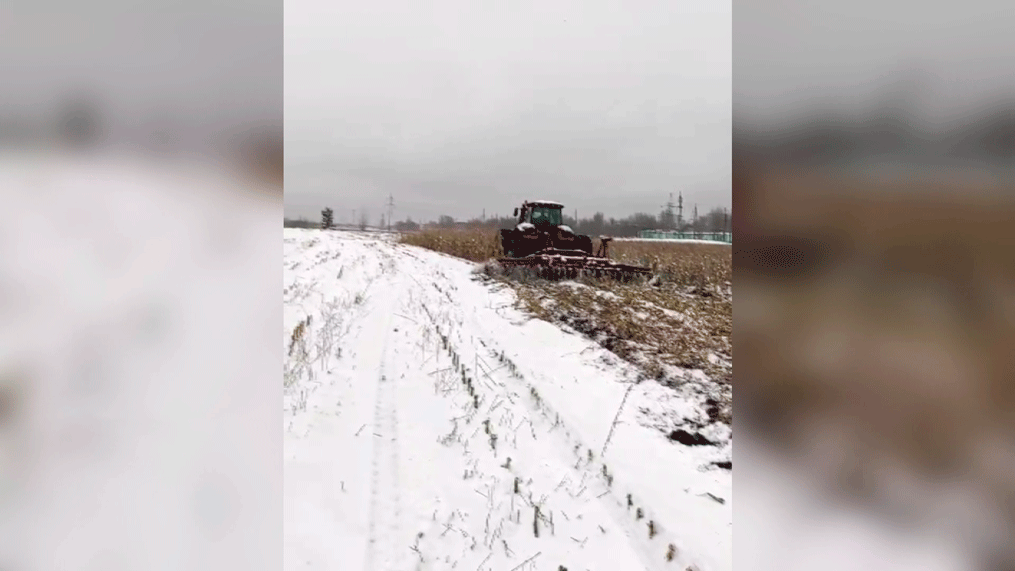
430	426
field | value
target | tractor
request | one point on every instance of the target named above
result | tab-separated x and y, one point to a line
540	227
541	242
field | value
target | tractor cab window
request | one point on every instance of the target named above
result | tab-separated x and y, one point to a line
545	215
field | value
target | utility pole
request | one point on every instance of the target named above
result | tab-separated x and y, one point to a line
391	209
669	213
680	212
668	220
695	223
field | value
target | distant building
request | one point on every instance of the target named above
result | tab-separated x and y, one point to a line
726	237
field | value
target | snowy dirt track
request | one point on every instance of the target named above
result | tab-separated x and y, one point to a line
431	425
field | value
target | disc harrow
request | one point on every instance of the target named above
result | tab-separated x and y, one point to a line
553	264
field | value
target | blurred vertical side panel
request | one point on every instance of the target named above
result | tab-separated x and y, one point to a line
141	176
874	181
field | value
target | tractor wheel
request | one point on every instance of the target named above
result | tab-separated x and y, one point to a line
585	244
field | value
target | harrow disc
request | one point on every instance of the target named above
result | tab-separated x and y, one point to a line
554	266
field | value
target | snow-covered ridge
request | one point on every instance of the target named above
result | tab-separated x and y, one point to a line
430	424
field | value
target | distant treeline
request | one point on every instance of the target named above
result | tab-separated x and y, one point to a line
300	223
716	220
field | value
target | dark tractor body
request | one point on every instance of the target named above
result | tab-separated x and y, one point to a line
541	242
541	227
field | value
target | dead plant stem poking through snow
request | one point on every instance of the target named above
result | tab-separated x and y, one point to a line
616	419
526	562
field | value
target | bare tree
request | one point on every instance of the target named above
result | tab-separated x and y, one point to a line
363	220
327	218
406	225
715	220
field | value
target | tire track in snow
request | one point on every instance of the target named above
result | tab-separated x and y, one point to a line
385	497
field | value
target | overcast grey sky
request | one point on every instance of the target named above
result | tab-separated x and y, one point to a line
456	106
946	60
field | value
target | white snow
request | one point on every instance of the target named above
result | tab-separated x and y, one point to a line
389	463
137	432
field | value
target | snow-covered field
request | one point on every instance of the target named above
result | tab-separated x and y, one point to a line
431	425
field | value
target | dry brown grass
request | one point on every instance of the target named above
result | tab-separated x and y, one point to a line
476	245
696	265
891	338
678	331
701	265
679	327
675	337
